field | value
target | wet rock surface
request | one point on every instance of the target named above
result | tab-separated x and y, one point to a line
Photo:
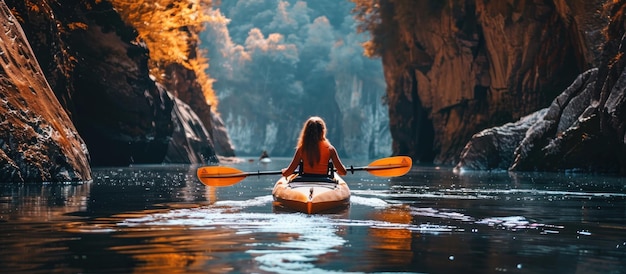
455	68
92	101
38	142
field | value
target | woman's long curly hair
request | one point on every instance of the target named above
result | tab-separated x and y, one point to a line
313	131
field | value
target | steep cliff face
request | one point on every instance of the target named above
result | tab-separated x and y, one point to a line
38	142
356	119
191	142
123	121
98	69
582	130
585	127
454	68
364	119
184	82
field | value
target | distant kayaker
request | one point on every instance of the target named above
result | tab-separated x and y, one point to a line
265	158
264	155
315	151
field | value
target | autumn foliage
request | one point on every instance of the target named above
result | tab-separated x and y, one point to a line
366	12
170	29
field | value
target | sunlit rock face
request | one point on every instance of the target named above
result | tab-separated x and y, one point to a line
184	82
98	68
191	142
38	142
454	68
584	128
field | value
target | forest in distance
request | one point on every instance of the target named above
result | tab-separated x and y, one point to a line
270	65
275	63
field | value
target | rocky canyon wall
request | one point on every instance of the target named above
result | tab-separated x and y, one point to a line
454	68
97	67
583	130
363	118
38	142
356	119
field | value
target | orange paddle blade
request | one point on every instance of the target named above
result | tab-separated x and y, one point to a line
390	167
220	175
227	176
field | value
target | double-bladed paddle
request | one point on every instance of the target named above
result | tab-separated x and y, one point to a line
227	176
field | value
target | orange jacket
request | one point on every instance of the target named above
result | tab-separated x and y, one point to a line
320	167
327	152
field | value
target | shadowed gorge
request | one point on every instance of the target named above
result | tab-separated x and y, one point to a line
476	84
455	68
98	68
475	136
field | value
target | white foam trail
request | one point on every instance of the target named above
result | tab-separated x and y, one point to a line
431	212
474	194
507	222
439	195
258	201
373	202
314	235
317	235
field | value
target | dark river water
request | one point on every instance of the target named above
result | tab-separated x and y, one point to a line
161	219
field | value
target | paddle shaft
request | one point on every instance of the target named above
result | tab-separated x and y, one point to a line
244	174
366	168
226	176
259	173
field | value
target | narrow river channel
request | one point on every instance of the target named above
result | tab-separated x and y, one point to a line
161	219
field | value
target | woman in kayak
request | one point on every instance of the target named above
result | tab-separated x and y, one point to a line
314	151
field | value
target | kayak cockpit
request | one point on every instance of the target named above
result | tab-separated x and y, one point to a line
311	194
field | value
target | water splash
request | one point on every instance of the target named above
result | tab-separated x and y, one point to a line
475	194
310	236
507	222
294	242
372	202
301	239
258	201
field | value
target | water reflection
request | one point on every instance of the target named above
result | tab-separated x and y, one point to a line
28	213
276	242
161	219
392	243
35	202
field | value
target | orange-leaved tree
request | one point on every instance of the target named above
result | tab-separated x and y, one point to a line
170	29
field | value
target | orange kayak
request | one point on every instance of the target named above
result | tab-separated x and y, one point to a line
314	195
